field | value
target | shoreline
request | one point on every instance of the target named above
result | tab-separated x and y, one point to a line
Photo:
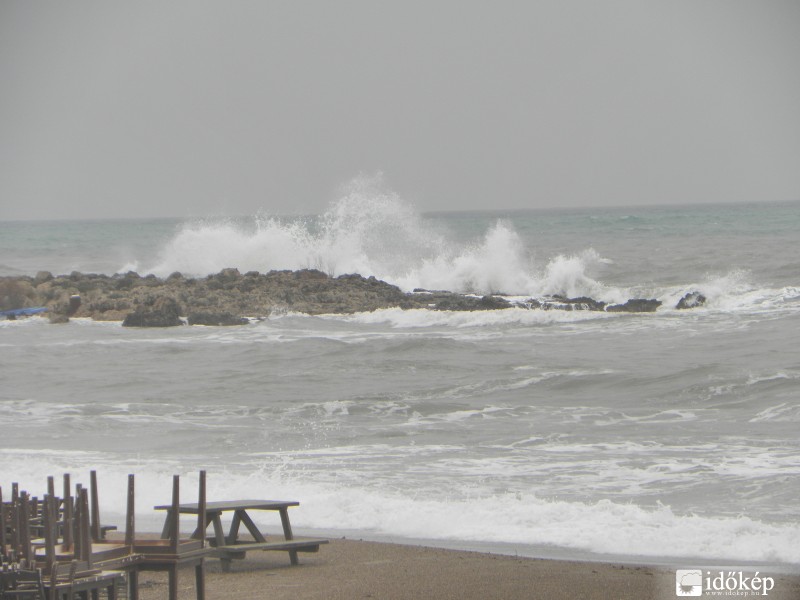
348	568
557	553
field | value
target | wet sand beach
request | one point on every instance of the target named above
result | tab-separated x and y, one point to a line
351	569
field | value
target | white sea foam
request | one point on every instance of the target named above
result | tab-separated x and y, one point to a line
418	318
601	527
732	292
371	231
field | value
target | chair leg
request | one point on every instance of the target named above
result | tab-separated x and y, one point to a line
200	580
133	585
173	583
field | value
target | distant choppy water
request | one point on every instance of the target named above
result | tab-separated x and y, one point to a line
674	434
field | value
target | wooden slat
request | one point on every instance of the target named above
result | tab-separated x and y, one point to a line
130	525
201	503
175	530
69	523
312	545
229	505
49	532
95	522
2	524
85	528
251	527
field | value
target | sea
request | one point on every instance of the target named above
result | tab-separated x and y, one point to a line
668	436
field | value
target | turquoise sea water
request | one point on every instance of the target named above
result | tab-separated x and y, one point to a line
670	435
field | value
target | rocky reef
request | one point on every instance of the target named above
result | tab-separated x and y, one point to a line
232	298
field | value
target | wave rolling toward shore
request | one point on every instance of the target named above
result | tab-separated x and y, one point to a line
671	434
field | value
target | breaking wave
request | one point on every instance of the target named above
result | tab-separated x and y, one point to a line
518	519
372	231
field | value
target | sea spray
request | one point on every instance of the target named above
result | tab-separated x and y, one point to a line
373	232
567	276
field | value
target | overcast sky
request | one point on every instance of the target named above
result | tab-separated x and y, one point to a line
192	108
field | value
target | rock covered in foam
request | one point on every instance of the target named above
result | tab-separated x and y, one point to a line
636	305
691	300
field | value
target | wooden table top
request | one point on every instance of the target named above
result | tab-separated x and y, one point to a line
227	505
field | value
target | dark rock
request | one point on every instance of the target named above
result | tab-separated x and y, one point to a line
635	305
164	312
307	274
58	318
580	303
691	300
124	284
458	302
224	319
43	277
493	303
228	275
74	305
13	294
219	299
532	303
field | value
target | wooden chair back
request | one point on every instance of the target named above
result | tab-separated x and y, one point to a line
3	525
130	518
68	513
95	507
23	526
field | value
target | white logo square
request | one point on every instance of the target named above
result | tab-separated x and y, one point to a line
688	582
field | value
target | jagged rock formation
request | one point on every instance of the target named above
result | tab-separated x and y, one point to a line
162	312
691	300
225	298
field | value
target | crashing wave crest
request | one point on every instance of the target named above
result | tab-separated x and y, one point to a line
372	231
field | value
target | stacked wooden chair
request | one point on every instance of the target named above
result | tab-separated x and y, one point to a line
173	552
57	549
42	567
134	555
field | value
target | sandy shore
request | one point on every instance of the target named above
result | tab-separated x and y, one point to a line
351	569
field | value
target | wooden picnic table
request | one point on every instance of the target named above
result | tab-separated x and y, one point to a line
231	546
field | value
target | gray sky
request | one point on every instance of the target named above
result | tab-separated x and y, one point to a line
191	108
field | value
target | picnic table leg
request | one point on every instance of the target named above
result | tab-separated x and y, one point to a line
200	535
251	527
219	537
288	535
233	534
167	525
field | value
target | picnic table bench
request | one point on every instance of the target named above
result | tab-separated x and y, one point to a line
231	546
